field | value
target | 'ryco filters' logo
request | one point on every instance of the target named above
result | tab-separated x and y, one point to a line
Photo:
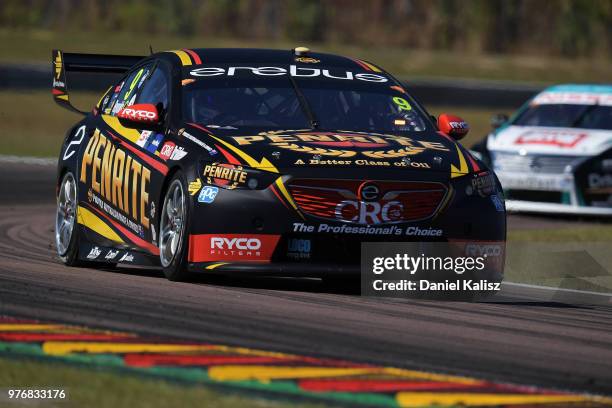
225	175
343	144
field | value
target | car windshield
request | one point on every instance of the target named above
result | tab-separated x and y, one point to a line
275	103
567	115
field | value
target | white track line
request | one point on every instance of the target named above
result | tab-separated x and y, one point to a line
586	292
41	161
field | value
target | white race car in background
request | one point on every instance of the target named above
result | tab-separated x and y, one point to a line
555	154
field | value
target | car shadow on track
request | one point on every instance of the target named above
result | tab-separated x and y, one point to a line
290	284
347	286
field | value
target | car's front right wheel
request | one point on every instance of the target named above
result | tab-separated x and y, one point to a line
66	230
173	226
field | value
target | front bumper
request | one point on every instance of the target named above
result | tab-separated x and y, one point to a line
258	232
555	184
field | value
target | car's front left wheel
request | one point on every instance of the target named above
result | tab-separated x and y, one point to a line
173	223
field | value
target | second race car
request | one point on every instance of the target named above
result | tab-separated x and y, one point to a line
555	154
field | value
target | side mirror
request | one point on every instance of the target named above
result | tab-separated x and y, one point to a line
498	120
140	116
453	126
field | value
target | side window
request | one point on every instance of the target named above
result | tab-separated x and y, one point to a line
125	92
155	90
110	98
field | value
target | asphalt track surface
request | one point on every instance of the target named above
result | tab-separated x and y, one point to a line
522	335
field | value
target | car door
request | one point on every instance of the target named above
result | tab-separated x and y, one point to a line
120	165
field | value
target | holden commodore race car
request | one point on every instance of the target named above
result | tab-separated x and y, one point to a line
279	162
555	154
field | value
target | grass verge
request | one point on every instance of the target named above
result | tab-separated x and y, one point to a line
570	258
31	124
92	388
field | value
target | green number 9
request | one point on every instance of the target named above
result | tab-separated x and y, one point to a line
133	84
402	104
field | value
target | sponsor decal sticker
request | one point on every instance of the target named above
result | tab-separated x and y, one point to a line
94	253
144	138
324	228
153	233
497	202
294	71
562	139
371	213
343	145
167	150
127	257
154	142
197	141
71	148
307	60
118	183
299	248
140	114
599	183
195	186
208	194
231	247
178	153
573	98
111	254
483	185
225	175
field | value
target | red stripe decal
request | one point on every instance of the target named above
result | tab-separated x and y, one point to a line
278	196
194	55
132	237
56	92
362	65
475	165
230	158
162	168
201	128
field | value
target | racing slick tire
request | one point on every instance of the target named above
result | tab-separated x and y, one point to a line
66	230
173	225
67	233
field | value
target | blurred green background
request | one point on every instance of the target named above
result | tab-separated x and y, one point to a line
539	41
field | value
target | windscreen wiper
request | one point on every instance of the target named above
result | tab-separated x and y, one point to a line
580	117
314	124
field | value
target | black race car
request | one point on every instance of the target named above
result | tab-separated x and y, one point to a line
260	161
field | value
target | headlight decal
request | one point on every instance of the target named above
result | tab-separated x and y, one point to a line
463	166
263	164
281	187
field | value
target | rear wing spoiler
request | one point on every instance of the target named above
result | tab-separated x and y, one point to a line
64	62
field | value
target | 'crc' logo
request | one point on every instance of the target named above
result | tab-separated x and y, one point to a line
365	212
243	244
